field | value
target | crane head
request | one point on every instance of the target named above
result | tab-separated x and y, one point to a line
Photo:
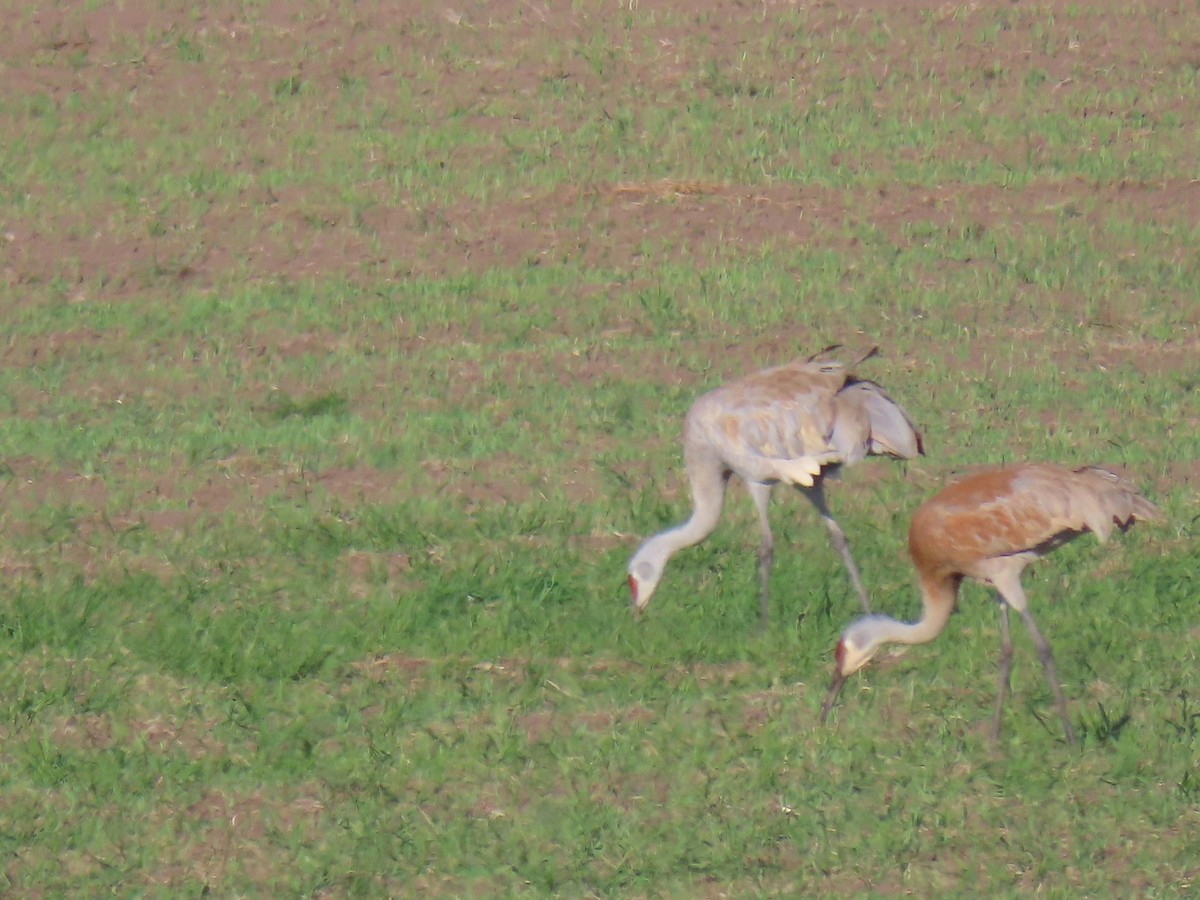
640	591
854	650
859	644
643	579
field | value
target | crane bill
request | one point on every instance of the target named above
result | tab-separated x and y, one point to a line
831	696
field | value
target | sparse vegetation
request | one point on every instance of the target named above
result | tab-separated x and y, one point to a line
344	357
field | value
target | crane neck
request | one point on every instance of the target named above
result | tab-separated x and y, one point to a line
938	596
707	479
706	511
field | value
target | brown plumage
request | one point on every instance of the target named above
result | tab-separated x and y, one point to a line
989	527
787	424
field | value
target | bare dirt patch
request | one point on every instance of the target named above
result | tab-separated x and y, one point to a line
160	734
225	836
480	54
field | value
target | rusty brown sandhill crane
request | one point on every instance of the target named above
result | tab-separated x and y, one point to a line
989	527
788	424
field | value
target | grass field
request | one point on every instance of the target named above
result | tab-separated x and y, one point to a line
345	355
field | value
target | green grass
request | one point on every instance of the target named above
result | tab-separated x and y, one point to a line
344	367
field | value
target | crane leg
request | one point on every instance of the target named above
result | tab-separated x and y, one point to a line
761	494
1006	657
816	494
1047	658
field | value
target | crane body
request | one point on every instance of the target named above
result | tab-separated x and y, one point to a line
989	527
791	424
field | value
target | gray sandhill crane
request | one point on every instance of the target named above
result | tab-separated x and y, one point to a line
788	424
989	527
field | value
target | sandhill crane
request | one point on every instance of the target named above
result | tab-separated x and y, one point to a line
989	527
788	424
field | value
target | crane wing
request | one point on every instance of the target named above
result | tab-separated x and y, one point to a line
1086	499
868	418
1025	508
1102	499
774	424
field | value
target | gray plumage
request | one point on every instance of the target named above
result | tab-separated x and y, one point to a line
786	424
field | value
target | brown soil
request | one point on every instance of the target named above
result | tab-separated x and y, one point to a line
482	55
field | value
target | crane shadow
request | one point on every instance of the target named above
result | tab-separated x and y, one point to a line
1188	725
1106	727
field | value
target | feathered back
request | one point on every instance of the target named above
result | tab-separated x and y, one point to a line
783	412
1019	508
1101	499
808	413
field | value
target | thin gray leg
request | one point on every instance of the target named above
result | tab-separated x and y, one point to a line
1006	657
1047	658
761	495
816	495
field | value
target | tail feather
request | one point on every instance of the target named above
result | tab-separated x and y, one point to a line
1106	499
891	431
805	469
